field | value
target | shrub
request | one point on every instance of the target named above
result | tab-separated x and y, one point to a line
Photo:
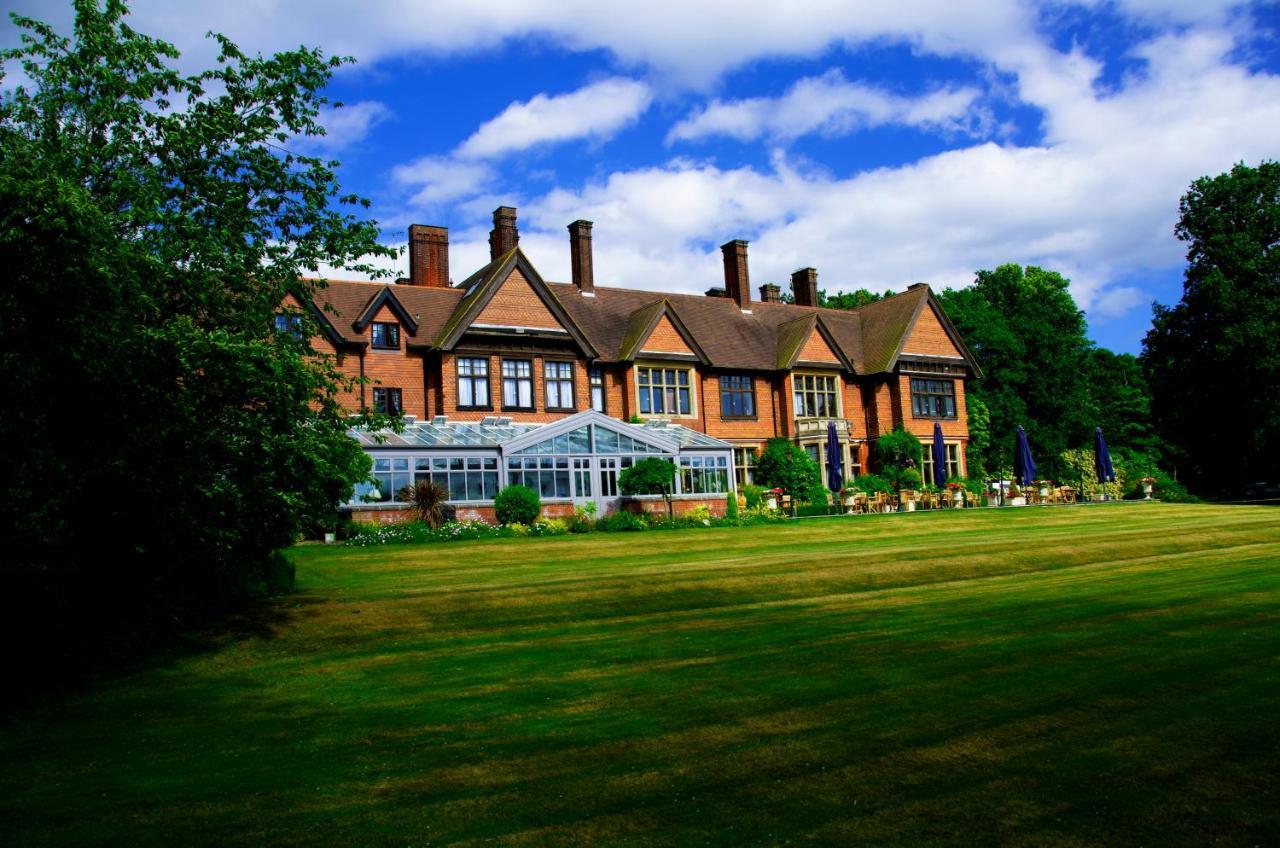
899	448
731	507
786	466
621	522
583	519
549	527
872	483
428	500
700	514
910	478
650	476
365	534
754	495
515	528
517	505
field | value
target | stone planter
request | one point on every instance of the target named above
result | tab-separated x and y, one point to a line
1101	497
770	502
1044	492
991	500
330	538
1018	501
1146	491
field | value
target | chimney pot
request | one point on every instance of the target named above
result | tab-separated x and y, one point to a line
428	256
804	287
770	293
737	279
504	236
580	256
717	291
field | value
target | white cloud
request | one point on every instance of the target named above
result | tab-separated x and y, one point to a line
831	105
439	179
345	126
595	111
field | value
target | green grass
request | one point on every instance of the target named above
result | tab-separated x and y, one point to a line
1070	676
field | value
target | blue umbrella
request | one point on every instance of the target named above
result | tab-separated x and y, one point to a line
1024	467
939	457
1102	458
835	464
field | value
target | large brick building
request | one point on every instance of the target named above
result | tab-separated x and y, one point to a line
505	350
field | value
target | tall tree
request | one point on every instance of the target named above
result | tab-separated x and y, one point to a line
1213	358
1030	339
163	438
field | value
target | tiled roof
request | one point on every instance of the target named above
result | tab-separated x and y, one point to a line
765	339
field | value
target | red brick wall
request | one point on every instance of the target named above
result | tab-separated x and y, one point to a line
761	427
816	349
929	337
516	304
449	388
666	339
399	369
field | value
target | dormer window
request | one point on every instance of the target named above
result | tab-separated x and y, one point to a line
289	324
386	335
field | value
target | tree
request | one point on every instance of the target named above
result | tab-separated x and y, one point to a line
1213	358
163	441
650	476
900	456
1030	339
785	465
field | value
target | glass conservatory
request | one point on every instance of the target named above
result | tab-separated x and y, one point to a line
577	459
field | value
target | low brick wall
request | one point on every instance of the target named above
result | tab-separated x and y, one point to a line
379	514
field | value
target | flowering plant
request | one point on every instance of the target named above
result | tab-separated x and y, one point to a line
1147	481
954	487
775	491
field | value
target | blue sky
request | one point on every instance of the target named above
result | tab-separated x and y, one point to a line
883	143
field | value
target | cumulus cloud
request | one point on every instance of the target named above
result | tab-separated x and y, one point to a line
832	105
439	179
594	111
344	126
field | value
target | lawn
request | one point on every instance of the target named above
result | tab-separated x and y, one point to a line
1068	676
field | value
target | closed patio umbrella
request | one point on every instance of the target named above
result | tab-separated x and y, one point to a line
1024	467
835	464
1102	458
939	457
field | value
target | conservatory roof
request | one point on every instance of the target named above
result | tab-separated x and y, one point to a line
501	432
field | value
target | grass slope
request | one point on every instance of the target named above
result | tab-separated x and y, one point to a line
1074	676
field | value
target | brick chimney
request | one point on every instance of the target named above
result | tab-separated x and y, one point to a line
770	293
428	256
504	235
737	280
580	256
804	286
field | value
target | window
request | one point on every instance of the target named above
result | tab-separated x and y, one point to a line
517	384
473	383
953	462
663	391
815	396
386	336
737	396
933	398
467	478
702	475
392	476
288	324
546	475
597	388
387	401
744	465
559	382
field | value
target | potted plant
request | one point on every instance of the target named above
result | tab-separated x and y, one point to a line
1016	498
955	491
1044	486
1147	483
771	498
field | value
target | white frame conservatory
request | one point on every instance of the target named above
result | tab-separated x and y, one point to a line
575	460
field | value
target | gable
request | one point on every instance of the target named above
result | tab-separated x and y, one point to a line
665	338
516	304
816	349
928	336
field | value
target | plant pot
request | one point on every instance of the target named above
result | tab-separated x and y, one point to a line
1018	501
771	502
991	500
1044	492
848	500
330	538
1146	491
